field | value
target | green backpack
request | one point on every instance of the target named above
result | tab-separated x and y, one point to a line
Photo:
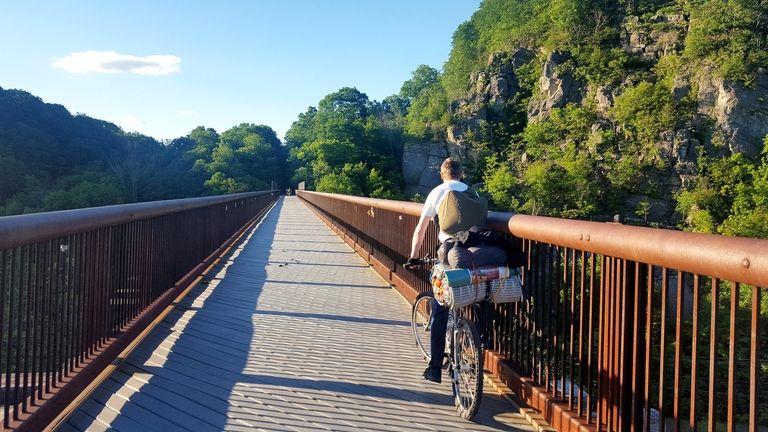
460	211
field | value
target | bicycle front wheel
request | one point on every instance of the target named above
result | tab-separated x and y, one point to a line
467	373
421	323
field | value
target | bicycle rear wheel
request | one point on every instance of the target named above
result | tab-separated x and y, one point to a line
467	373
421	322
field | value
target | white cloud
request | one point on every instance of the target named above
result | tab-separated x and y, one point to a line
185	113
112	62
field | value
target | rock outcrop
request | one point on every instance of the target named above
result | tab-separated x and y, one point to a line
739	113
490	90
663	35
421	164
556	88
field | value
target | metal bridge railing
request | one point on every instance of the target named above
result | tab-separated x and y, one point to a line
77	286
626	328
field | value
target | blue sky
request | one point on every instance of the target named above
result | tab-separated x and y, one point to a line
164	67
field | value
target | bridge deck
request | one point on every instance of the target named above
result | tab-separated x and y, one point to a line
293	331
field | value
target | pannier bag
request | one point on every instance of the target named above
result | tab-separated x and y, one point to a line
457	288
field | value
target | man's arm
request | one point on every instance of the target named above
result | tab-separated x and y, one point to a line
418	234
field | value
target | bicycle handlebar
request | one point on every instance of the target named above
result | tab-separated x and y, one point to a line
419	262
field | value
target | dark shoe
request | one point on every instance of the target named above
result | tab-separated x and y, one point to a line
432	374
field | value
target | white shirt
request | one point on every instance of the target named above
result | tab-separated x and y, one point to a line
435	198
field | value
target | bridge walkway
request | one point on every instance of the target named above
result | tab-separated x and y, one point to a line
292	331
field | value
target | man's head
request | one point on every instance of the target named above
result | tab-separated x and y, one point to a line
450	169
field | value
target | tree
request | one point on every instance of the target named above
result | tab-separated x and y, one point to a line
501	183
422	78
246	157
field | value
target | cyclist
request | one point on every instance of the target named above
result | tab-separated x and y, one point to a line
451	252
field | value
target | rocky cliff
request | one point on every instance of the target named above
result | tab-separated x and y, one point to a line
724	117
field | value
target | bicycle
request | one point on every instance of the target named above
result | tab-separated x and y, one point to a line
463	351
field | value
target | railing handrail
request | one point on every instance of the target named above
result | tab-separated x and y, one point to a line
19	230
740	259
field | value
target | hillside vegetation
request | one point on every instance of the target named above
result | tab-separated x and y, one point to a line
653	110
52	160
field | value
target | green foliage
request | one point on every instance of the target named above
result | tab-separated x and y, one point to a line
501	183
732	35
428	116
84	190
246	157
348	145
12	173
465	52
730	196
646	110
601	66
565	188
422	79
51	160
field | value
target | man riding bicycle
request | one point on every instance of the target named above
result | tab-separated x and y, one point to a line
451	252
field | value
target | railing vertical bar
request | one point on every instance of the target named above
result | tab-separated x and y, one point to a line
591	335
713	354
552	340
36	330
582	301
136	267
535	325
573	313
754	365
678	350
12	345
97	271
662	347
635	348
27	327
111	302
129	277
732	357
618	289
107	285
64	310
151	261
58	312
563	330
525	315
4	293
19	348
141	269
601	342
694	352
123	285
69	309
648	340
82	285
79	287
608	344
48	314
622	311
77	335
